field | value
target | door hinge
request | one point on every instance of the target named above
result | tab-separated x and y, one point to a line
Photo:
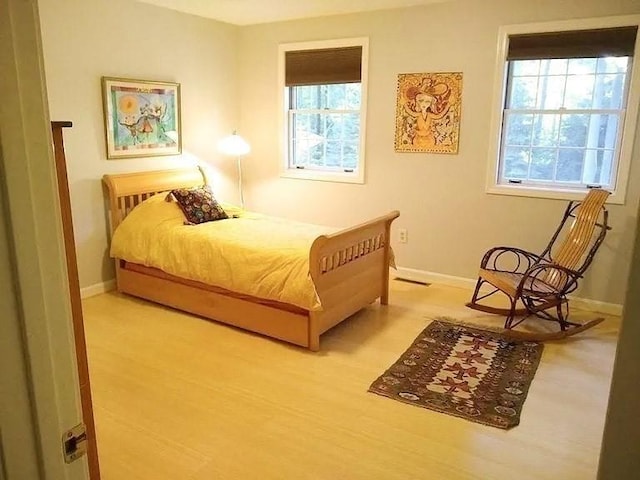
74	443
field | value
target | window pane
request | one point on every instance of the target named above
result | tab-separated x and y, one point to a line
570	164
606	168
551	92
351	130
352	96
303	138
607	130
333	154
613	64
336	96
523	92
546	129
542	163
516	162
350	155
597	167
526	67
300	154
579	91
609	89
556	66
334	126
299	125
307	97
316	123
573	130
344	96
582	66
519	129
316	155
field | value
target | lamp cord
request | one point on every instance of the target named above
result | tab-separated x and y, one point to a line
240	184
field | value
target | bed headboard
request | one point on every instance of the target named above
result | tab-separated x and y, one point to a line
126	190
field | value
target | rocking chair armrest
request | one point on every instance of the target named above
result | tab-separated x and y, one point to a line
491	257
565	281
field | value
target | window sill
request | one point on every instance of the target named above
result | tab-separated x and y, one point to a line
533	192
337	177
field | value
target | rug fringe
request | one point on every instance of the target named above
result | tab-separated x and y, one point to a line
463	323
518	335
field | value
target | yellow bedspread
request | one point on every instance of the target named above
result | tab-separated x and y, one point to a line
256	255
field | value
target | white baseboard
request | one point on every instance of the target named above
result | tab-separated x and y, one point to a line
97	289
596	306
423	276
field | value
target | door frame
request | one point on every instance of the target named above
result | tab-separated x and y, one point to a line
41	387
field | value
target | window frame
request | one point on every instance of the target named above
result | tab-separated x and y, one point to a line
627	132
358	175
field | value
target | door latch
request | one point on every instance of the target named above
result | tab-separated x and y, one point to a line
74	443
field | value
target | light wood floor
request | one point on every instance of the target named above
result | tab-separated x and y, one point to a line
178	397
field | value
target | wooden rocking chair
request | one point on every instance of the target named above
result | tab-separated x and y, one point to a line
542	282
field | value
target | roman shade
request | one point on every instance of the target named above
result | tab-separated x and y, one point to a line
602	42
323	66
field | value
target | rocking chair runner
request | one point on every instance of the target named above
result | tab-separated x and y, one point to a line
542	282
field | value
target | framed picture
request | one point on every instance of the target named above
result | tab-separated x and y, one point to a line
142	118
428	112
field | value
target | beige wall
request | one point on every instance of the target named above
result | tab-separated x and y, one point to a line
86	39
450	219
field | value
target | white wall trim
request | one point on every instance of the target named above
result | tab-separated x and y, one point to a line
596	306
423	276
98	288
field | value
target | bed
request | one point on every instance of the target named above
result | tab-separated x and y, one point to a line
349	269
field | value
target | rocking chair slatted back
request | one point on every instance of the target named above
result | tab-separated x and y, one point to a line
580	235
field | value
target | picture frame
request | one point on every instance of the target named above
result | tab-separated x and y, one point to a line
428	110
142	118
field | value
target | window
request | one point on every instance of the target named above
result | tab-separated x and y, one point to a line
567	111
323	87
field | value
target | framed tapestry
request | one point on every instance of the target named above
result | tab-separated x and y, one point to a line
428	112
142	118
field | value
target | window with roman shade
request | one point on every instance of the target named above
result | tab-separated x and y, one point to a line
565	122
323	91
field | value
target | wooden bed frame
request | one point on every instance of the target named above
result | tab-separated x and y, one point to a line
350	270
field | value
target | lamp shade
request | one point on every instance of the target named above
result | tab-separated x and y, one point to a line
234	145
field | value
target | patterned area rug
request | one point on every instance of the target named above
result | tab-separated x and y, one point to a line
463	371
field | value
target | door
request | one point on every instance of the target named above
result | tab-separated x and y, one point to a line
39	390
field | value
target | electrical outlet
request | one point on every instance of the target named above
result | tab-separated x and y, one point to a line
403	235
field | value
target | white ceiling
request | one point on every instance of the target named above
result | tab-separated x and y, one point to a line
249	12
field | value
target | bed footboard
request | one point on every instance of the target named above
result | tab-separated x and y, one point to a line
350	270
